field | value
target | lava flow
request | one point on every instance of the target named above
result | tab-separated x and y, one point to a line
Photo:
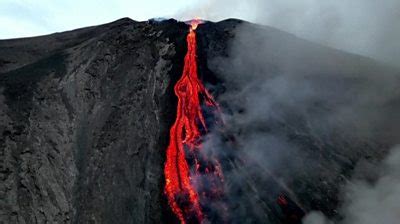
182	156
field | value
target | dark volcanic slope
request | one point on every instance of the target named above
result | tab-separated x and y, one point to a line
84	118
85	114
306	118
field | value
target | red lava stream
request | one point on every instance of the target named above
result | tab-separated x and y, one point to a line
185	138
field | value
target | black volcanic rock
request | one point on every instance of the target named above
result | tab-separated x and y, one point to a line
85	116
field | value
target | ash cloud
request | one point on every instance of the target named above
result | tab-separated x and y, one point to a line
365	27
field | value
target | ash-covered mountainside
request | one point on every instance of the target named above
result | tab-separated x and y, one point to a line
85	117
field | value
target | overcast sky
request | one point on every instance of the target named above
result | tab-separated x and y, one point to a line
366	27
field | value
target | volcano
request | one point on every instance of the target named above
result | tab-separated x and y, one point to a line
94	121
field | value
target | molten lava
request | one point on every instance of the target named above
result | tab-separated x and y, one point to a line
182	156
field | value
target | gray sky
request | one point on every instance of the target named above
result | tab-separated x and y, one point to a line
366	27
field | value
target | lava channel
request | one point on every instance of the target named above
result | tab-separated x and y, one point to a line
183	157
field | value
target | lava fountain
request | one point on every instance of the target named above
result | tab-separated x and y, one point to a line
183	157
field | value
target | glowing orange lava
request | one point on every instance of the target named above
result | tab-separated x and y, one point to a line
185	136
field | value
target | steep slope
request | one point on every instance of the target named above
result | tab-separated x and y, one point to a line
302	118
84	120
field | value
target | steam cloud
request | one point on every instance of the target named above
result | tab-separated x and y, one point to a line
368	203
301	111
365	27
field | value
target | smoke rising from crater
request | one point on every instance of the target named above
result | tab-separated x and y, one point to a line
365	27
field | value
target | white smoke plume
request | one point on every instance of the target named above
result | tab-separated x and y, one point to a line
370	203
365	27
302	115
